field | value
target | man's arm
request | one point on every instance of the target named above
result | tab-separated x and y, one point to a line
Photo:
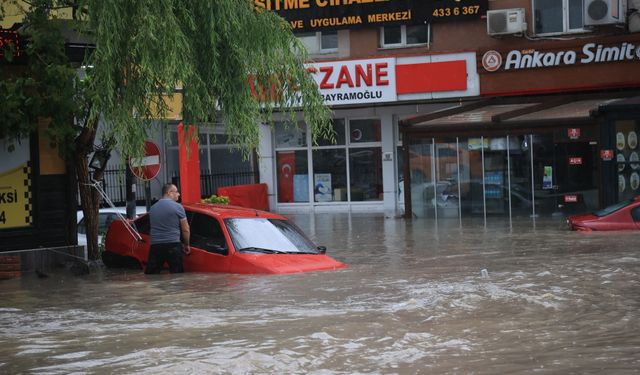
186	234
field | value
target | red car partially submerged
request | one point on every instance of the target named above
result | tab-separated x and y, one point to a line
226	239
624	215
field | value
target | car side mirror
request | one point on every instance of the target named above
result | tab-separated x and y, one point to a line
322	249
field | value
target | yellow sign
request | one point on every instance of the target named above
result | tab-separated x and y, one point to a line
15	197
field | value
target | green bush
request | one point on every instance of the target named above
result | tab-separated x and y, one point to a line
216	199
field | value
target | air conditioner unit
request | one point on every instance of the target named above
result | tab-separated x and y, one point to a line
506	21
604	12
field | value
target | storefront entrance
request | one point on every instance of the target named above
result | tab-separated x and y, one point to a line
507	176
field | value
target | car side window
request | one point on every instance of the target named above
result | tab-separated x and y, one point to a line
206	234
635	214
143	224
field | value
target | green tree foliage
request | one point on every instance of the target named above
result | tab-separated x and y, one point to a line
43	89
215	50
230	60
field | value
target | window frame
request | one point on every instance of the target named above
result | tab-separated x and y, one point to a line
206	145
565	20
317	42
403	38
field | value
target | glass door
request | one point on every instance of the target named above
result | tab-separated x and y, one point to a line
422	177
447	177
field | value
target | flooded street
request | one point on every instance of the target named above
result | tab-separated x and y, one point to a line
415	299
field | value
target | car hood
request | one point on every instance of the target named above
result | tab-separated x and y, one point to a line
283	263
582	218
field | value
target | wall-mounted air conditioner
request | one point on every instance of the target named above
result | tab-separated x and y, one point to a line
605	12
506	21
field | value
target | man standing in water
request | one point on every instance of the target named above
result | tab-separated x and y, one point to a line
168	221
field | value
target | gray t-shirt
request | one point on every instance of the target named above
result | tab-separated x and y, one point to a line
165	216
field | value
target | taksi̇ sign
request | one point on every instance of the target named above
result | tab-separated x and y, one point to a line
590	53
356	81
15	197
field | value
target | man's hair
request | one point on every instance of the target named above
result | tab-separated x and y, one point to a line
166	188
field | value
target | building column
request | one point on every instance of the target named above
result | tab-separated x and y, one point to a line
389	161
266	164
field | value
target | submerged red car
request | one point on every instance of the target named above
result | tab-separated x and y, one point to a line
225	239
624	215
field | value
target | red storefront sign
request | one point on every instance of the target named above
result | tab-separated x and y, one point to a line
606	155
571	198
9	40
575	161
393	79
573	133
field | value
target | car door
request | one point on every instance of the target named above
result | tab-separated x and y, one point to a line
140	249
209	248
635	216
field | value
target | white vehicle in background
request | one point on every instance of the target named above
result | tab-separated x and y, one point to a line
106	217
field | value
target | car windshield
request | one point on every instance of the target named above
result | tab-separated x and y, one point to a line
613	208
260	235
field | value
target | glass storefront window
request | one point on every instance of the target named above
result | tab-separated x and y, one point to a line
218	139
365	171
472	193
329	175
357	146
293	176
365	130
627	158
520	175
232	158
338	127
216	156
291	135
422	178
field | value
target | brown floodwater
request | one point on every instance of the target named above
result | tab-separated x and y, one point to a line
416	298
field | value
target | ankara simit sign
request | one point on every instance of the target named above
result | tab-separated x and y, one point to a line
319	15
147	167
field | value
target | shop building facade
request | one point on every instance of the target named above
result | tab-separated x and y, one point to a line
499	114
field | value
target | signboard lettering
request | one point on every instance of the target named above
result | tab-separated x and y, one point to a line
590	53
575	161
356	81
15	194
570	198
318	15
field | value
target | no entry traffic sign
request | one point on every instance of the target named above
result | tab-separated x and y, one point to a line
147	167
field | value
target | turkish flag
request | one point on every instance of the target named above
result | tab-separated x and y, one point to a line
286	169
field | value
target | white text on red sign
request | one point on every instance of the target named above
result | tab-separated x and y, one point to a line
570	198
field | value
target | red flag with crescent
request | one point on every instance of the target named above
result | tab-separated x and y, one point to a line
286	170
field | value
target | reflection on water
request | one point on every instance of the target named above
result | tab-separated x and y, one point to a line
414	299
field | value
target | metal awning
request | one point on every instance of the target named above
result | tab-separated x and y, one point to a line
511	113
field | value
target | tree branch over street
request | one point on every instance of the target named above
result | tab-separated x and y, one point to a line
215	53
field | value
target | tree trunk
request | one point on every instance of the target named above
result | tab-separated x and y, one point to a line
89	196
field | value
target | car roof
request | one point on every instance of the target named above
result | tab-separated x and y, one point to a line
226	211
123	210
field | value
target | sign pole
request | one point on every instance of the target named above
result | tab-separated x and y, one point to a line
147	194
131	194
